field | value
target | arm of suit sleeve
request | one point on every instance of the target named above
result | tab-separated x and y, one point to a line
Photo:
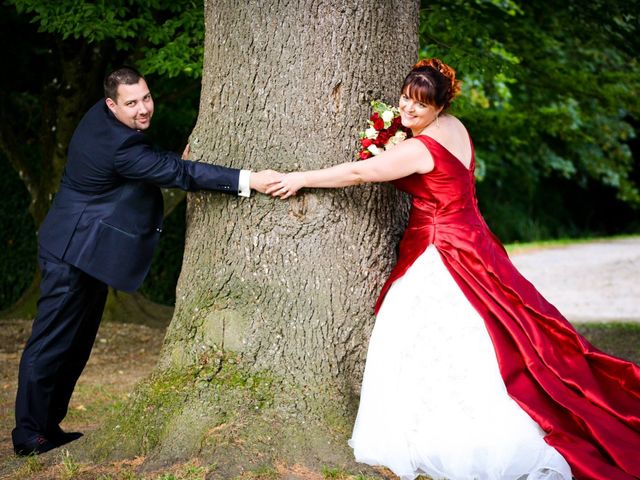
136	160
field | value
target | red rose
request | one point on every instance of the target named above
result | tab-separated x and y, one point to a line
364	154
383	138
366	142
378	123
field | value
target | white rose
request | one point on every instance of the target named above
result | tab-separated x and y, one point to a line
387	116
371	133
374	150
396	139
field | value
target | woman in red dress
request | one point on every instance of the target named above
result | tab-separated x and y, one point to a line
471	373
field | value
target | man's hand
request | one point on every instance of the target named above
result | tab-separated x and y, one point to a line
261	180
186	152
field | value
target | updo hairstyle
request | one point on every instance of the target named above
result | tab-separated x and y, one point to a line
432	82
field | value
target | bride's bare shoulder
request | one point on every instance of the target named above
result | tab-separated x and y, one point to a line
454	123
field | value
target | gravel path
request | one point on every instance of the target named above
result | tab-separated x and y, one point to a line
589	282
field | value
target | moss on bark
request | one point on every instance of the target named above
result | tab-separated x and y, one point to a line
229	415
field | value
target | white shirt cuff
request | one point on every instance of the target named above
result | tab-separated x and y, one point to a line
243	184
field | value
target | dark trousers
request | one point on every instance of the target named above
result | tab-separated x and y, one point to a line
69	312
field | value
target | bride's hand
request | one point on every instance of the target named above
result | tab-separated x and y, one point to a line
287	185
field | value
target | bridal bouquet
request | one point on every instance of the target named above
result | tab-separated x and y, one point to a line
384	132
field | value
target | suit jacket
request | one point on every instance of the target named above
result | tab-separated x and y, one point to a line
107	216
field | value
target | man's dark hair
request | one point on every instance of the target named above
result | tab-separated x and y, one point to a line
121	76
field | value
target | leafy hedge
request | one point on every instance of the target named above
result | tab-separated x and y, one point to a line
17	237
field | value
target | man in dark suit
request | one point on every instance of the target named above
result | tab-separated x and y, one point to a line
101	231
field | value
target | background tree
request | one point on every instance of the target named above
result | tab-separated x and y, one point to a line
550	98
263	358
57	66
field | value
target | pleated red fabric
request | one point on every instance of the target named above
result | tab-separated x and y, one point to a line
586	401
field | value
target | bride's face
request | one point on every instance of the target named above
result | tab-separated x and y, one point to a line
416	115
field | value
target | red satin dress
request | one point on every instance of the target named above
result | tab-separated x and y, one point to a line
587	402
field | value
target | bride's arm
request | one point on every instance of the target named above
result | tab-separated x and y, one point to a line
406	158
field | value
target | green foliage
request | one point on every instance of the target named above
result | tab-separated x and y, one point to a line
549	92
17	237
67	47
549	97
167	36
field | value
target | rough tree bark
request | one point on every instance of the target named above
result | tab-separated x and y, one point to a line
263	359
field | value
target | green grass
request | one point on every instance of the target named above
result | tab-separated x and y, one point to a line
560	242
129	475
616	338
70	468
32	464
261	473
334	473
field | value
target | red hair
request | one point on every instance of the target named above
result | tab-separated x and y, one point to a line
432	82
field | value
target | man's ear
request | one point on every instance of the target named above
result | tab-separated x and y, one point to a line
111	104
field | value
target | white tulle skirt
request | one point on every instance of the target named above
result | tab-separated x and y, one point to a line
433	401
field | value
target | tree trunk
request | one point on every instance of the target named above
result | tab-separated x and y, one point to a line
274	307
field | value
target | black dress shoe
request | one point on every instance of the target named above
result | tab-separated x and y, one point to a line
60	437
38	445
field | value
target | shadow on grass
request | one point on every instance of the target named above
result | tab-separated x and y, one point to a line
619	339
